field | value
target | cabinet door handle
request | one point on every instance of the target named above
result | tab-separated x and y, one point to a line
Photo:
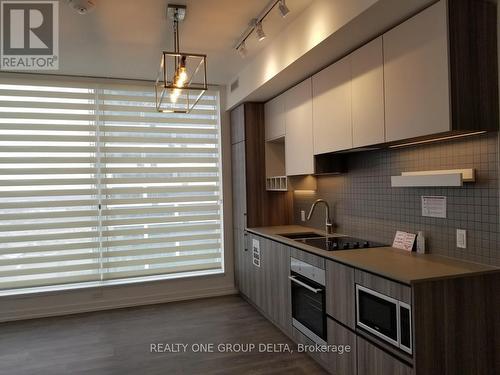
308	287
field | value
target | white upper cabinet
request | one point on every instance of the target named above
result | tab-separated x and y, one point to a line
274	111
299	157
332	127
416	71
367	68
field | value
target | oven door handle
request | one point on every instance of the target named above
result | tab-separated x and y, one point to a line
308	287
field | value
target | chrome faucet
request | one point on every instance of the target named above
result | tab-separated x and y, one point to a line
328	221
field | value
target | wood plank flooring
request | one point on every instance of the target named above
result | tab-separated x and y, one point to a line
118	342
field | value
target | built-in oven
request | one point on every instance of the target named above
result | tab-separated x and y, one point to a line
385	317
308	300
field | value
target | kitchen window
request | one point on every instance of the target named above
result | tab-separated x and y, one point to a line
98	188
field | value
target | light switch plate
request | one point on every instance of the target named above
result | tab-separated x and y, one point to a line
302	215
256	252
461	238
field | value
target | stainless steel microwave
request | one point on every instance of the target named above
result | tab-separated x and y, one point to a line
384	317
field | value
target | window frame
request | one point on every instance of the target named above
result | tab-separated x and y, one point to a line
17	78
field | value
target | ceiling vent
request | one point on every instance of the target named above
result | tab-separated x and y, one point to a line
235	85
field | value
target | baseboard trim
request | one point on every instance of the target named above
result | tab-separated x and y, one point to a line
59	310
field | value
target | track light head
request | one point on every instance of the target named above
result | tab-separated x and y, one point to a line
284	10
259	30
242	50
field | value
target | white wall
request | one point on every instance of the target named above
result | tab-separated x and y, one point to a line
320	20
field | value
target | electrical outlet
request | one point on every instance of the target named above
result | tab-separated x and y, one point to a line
302	215
461	238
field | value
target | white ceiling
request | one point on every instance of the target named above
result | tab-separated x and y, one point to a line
124	38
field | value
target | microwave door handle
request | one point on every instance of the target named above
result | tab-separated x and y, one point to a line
308	287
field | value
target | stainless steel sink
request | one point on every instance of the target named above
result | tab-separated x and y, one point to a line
301	236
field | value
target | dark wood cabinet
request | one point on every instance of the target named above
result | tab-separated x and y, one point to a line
374	361
239	186
245	277
260	207
238	125
457	325
340	293
342	361
309	258
337	361
397	290
277	270
270	283
253	206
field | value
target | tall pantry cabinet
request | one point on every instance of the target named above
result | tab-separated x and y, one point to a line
253	206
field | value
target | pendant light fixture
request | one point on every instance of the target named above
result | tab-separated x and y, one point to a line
182	77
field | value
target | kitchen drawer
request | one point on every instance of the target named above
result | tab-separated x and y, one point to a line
321	357
382	285
374	361
341	363
308	258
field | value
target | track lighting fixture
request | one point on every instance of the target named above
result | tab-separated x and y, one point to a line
256	25
242	50
283	8
259	31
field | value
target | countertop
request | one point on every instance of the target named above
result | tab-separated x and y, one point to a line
399	265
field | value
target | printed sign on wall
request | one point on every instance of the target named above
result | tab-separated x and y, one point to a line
434	206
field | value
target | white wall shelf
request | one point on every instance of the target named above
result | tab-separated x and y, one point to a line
440	178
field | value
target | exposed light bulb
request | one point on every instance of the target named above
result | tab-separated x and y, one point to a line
259	30
181	76
284	10
174	95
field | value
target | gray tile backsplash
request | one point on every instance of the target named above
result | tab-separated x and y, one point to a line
366	206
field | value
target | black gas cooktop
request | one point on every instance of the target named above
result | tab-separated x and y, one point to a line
340	243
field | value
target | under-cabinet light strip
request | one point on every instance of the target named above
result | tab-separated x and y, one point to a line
436	139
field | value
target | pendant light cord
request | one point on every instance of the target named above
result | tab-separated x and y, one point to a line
176	38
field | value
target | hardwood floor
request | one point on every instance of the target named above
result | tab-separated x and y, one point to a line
118	342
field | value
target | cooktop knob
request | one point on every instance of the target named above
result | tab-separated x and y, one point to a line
356	245
366	244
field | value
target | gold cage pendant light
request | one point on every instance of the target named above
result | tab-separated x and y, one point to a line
182	77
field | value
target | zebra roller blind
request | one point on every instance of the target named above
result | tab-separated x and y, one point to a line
96	187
